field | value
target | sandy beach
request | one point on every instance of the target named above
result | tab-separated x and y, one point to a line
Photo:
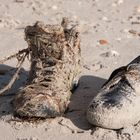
110	38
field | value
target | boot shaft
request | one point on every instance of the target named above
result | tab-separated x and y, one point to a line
53	48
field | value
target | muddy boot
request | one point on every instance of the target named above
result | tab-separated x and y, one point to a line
55	62
117	105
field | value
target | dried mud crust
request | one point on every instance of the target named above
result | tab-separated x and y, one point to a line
55	62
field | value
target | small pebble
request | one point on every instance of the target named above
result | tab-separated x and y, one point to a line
132	32
54	7
86	67
98	66
103	42
118	39
119	2
111	53
138	9
105	19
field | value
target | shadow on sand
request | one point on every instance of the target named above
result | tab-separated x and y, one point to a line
87	89
6	72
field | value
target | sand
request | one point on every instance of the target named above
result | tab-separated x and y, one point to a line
110	38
